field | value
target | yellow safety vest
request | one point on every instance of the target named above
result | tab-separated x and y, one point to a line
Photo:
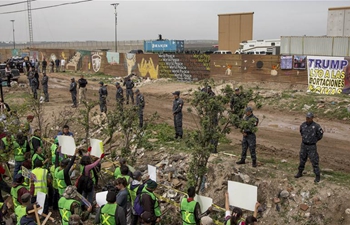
41	180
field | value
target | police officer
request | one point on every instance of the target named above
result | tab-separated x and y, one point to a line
249	138
119	95
73	92
237	103
44	83
103	93
129	84
140	103
177	112
311	133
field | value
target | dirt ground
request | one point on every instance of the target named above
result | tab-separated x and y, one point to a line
278	133
278	136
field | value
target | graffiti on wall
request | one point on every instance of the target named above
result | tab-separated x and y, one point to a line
171	66
96	60
74	61
113	58
130	62
34	55
147	67
204	59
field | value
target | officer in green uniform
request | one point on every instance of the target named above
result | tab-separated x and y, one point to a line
111	213
20	210
190	209
69	205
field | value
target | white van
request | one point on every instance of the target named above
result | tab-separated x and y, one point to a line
223	52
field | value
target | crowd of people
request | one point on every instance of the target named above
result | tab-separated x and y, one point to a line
130	199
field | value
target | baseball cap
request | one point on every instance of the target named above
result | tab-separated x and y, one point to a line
26	197
176	93
137	174
248	109
309	115
101	82
151	184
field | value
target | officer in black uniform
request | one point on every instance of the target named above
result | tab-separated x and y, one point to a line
73	92
177	112
44	83
249	138
140	103
311	133
129	84
103	93
119	95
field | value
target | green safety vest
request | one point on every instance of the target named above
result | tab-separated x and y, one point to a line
59	177
64	208
238	222
37	156
31	144
14	192
20	211
187	212
19	151
41	183
117	172
107	215
154	198
52	171
133	194
7	145
91	173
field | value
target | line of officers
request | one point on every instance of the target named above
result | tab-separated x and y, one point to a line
103	93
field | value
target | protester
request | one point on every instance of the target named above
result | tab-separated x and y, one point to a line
234	217
111	213
63	64
35	141
20	210
69	205
65	131
62	175
117	172
41	183
123	194
151	203
20	146
18	190
29	218
39	156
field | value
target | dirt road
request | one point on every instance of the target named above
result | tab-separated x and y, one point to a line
278	133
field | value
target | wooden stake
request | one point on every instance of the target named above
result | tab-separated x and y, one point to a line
47	218
36	214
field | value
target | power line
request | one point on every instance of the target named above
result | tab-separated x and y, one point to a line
15	3
46	7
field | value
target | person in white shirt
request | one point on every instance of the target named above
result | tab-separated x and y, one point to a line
63	64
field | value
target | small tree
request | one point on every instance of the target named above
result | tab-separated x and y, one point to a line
85	115
215	121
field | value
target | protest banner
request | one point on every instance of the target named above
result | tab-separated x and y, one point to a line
96	147
152	172
27	173
242	195
328	75
204	202
101	198
67	144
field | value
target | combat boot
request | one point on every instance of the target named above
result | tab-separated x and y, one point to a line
299	174
242	161
254	163
317	179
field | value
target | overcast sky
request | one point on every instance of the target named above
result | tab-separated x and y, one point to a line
139	20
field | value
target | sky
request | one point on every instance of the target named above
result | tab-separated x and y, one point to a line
144	20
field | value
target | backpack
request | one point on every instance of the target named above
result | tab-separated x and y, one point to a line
138	208
84	183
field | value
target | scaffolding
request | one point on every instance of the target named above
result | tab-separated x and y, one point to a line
30	22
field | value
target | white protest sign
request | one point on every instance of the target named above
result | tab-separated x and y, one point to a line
204	202
101	198
242	195
152	172
67	144
40	199
96	147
